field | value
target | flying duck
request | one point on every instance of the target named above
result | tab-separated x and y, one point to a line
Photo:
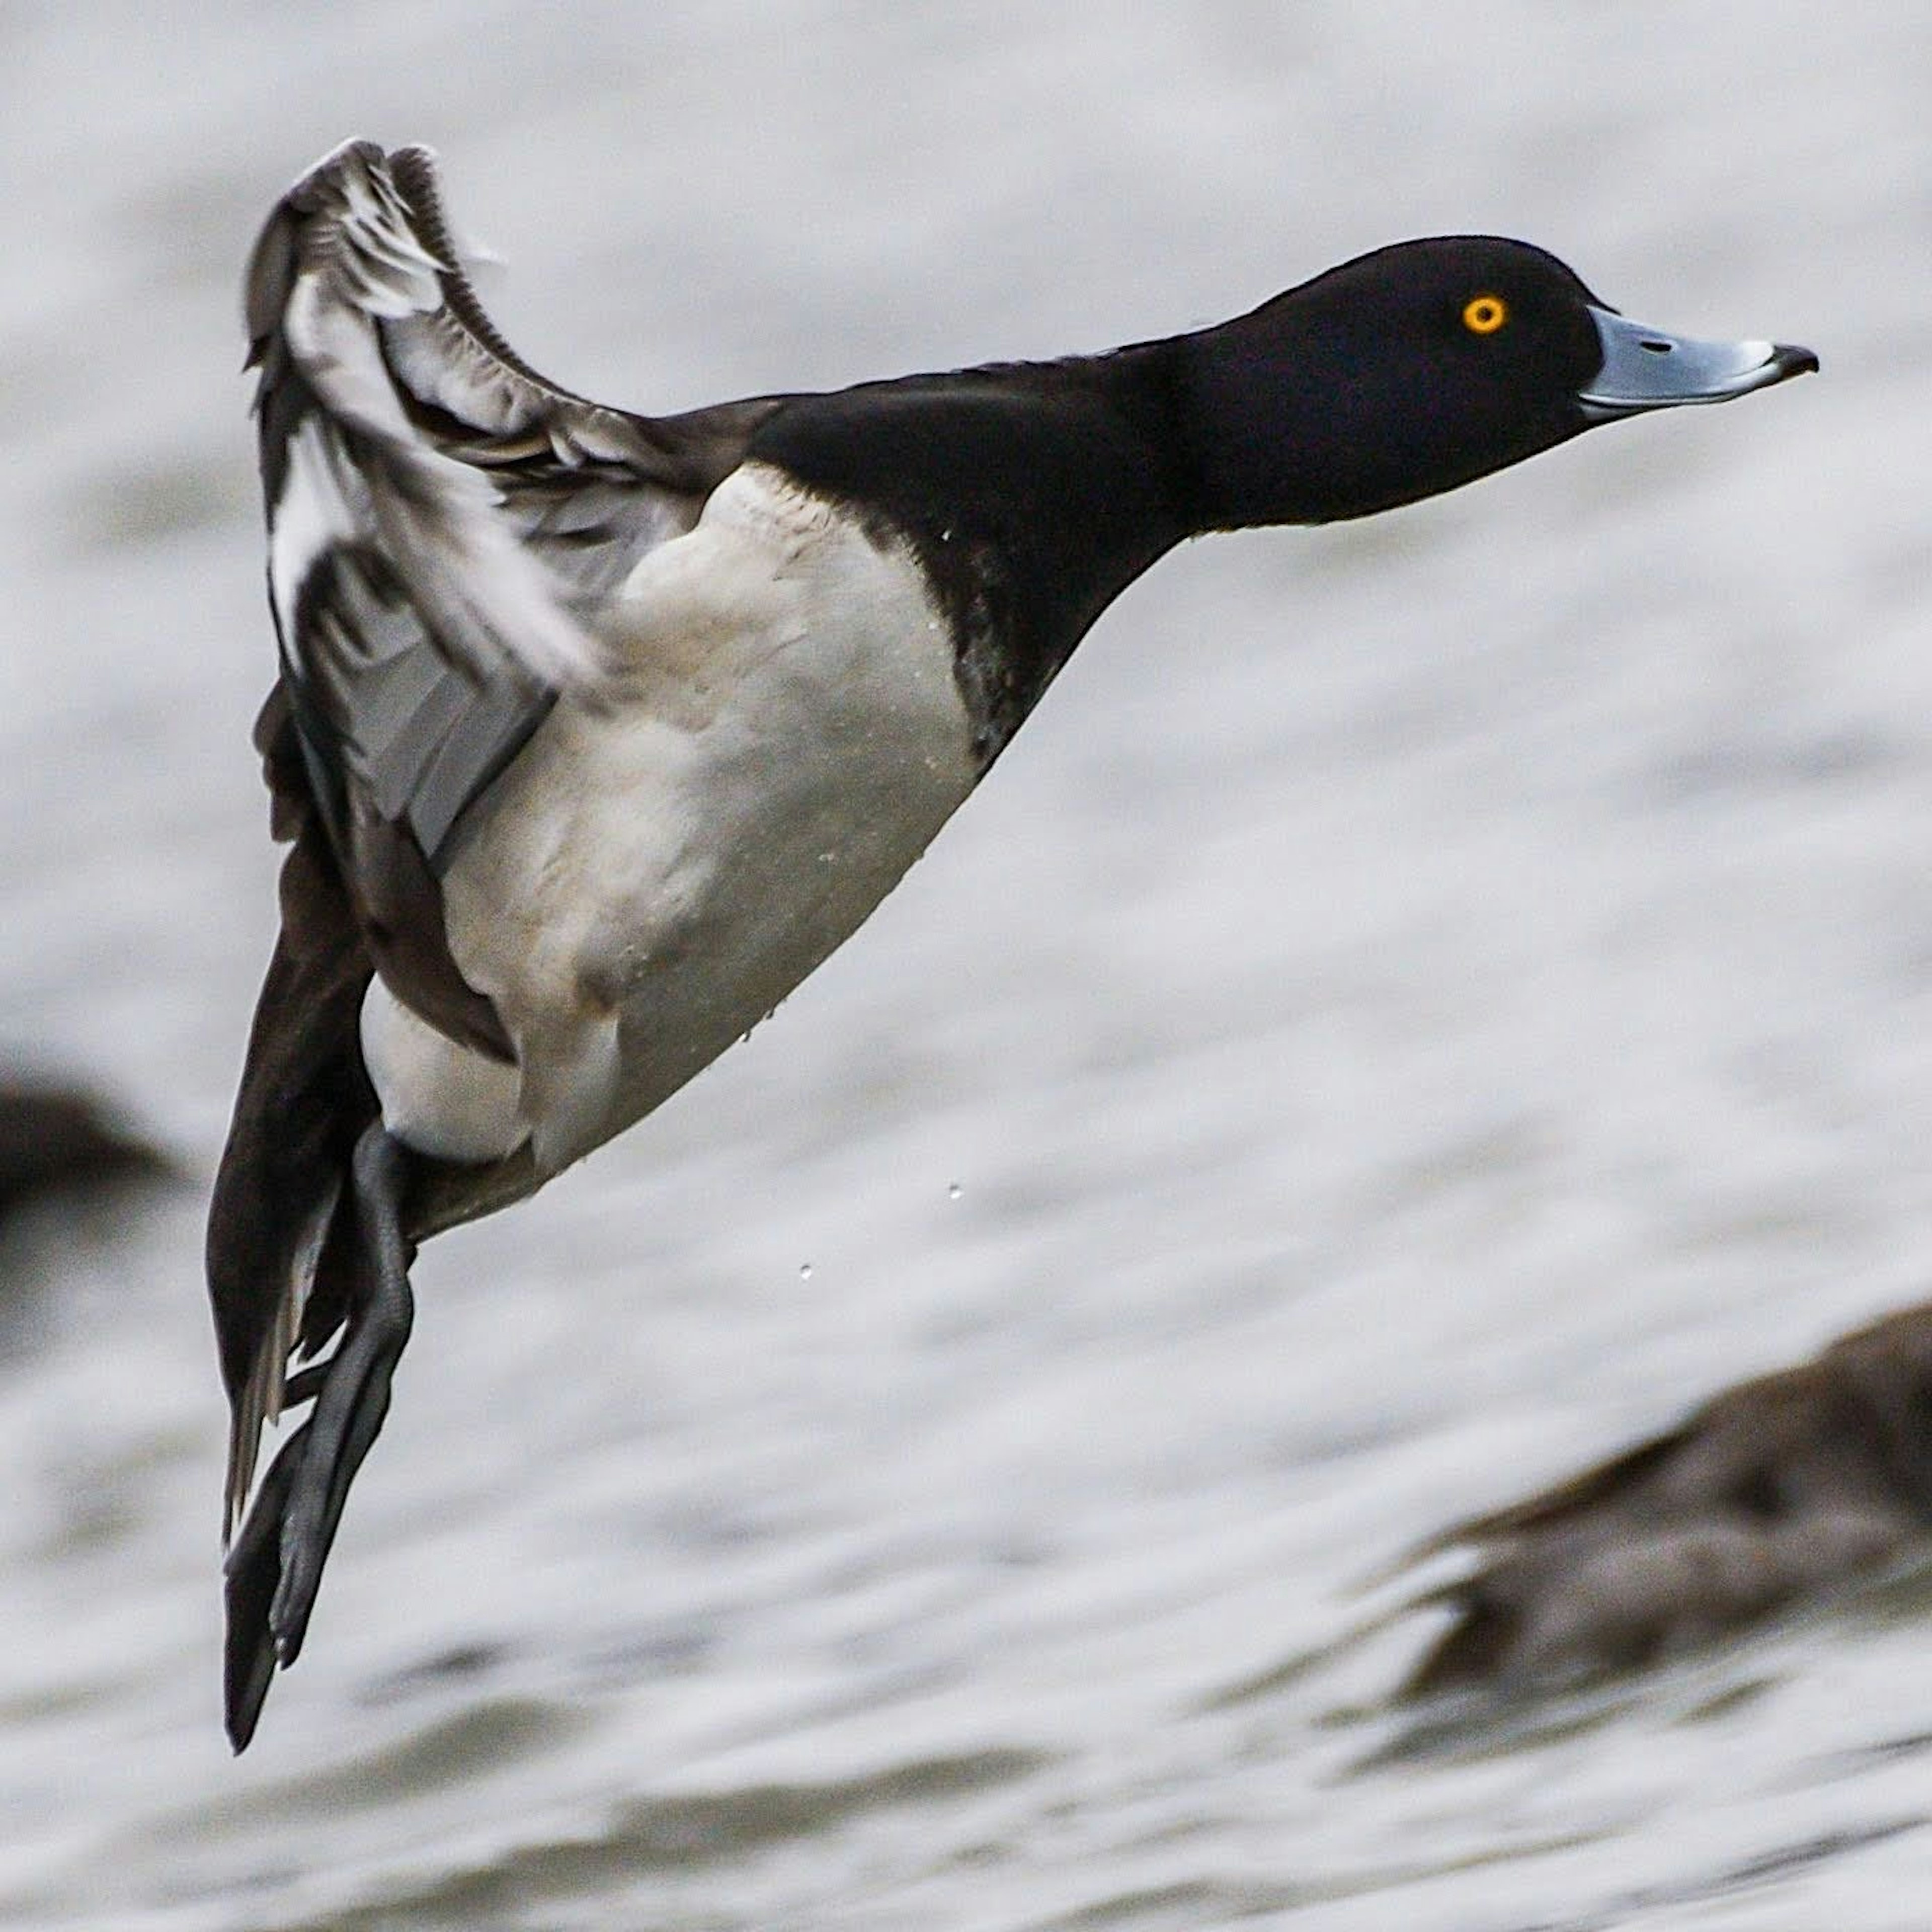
594	733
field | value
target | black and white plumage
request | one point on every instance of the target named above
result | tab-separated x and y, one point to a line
596	733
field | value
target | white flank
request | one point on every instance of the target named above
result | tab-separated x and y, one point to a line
654	874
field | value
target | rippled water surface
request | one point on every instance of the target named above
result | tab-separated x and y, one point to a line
1423	1002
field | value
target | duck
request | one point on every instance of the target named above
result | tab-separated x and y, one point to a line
593	733
1779	1488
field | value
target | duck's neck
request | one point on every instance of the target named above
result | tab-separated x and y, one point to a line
1033	493
1265	403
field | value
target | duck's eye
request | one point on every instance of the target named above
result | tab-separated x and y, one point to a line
1483	315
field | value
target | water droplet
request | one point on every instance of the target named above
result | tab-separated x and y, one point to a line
805	1270
953	1192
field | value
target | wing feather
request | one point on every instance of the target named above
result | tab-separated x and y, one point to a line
444	526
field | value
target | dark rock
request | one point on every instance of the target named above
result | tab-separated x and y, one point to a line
1782	1486
58	1137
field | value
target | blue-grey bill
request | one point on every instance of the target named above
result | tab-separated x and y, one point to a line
1651	369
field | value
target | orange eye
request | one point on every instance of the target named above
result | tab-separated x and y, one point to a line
1485	314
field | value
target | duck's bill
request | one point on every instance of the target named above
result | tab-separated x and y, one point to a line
1650	369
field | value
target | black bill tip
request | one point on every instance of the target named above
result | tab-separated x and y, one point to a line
1645	368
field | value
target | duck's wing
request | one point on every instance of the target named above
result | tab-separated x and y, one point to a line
280	1272
444	524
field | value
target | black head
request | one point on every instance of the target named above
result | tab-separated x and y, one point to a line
1424	366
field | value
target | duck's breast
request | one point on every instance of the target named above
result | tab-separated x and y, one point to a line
782	736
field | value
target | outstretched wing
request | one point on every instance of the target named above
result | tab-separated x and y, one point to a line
444	527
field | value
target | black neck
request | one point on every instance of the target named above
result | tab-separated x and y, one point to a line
1033	494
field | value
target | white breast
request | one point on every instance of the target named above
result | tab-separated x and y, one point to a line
783	738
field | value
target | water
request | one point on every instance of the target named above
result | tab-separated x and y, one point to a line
1421	1004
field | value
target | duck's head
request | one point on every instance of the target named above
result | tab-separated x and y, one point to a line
1423	366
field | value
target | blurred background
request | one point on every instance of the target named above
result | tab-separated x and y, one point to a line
1421	1002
